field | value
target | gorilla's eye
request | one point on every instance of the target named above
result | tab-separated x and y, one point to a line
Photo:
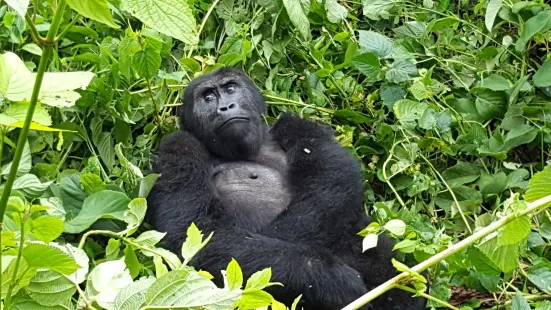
230	89
209	97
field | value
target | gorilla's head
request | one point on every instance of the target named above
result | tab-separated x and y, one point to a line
224	109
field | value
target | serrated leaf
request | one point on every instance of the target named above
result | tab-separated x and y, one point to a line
106	280
378	9
369	241
401	70
234	275
147	62
408	110
515	231
539	185
133	296
542	78
505	257
259	279
92	183
150	238
135	214
103	204
369	65
298	17
540	275
46	228
43	256
71	194
518	302
491	12
396	226
20	6
377	43
335	11
193	243
173	18
94	9
50	288
255	298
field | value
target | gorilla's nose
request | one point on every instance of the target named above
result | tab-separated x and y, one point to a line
226	107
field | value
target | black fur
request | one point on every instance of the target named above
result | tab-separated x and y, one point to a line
312	246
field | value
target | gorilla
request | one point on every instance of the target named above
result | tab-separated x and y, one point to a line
287	197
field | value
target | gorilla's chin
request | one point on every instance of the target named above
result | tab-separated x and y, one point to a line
237	140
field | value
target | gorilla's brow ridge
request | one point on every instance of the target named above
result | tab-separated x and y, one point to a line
212	85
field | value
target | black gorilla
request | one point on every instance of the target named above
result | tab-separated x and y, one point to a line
287	197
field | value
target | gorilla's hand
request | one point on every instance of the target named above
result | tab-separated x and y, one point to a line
291	129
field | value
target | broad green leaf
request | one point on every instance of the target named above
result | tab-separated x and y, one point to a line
106	280
30	185
391	94
396	226
540	275
520	135
94	9
71	194
505	257
126	164
255	298
492	184
131	261
369	65
336	13
193	243
133	296
298	16
539	185
20	6
18	111
234	275
378	9
25	164
92	183
413	29
103	204
259	279
517	179
147	62
515	231
542	78
44	256
29	304
173	18
146	184
135	214
150	238
494	82
32	48
408	110
16	81
537	24
80	258
377	43
461	173
51	288
518	302
113	249
491	12
491	104
400	71
369	241
46	228
481	263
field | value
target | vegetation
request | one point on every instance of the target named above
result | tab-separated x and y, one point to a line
445	102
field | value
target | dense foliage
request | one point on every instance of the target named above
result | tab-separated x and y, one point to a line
445	102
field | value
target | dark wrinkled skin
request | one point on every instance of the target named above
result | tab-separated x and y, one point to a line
287	197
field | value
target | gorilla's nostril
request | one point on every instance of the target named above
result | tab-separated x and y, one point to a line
254	176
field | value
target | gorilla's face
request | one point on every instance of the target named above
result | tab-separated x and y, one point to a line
224	109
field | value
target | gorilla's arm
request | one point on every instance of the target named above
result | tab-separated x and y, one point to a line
184	194
327	184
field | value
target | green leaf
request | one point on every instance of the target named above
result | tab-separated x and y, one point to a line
234	275
539	185
106	280
150	238
515	231
135	214
173	18
336	13
92	183
369	65
542	78
400	71
491	104
30	185
396	226
25	164
378	9
103	204
259	279
298	16
537	24
51	288
494	82
71	194
369	241
254	298
133	296
44	256
377	43
505	257
520	135
518	302
491	12
46	228
391	94
146	184
540	275
194	242
461	173
94	9
20	6
147	62
408	110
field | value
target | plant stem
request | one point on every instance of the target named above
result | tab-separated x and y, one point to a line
203	23
427	296
7	302
388	285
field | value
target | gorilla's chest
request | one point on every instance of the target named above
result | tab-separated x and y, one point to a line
254	191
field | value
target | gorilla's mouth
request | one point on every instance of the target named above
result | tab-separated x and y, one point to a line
232	120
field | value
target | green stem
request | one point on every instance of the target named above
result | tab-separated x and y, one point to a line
48	50
14	281
427	296
207	15
64	32
388	285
